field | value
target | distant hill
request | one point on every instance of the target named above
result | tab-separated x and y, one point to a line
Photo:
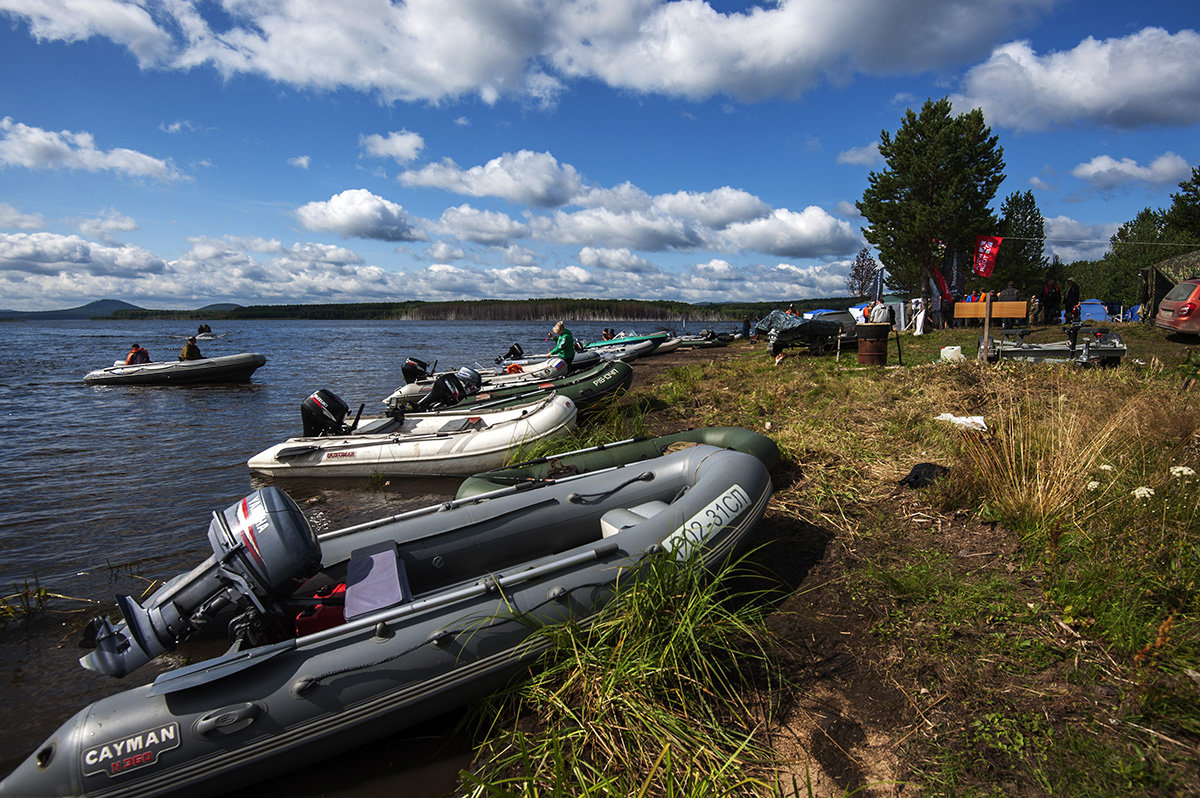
219	307
99	308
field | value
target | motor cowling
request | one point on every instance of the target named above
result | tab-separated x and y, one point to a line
263	548
415	369
450	389
515	352
323	413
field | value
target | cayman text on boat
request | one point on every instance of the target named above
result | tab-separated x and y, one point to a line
362	632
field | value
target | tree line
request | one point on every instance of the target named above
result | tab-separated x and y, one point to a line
926	207
477	310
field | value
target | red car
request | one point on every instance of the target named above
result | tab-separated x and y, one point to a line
1179	310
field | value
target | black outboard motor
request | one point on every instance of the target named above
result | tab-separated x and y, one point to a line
515	352
263	549
414	369
323	413
450	389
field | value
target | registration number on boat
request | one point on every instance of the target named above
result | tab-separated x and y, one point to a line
716	515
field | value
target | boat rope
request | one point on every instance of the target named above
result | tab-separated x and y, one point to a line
595	498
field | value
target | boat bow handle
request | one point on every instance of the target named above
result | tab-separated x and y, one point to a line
228	720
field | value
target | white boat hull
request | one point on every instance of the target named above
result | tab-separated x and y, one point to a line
432	444
225	368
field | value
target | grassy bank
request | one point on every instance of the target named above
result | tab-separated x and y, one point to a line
1026	625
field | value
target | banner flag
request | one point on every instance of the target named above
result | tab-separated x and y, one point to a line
986	248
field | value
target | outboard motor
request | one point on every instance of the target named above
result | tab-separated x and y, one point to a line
263	549
323	413
450	389
414	369
515	352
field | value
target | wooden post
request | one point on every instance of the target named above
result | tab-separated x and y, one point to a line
987	325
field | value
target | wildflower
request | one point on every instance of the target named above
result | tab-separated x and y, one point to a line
1143	492
1106	468
1093	485
1182	471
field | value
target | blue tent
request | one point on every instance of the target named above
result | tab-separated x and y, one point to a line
1092	310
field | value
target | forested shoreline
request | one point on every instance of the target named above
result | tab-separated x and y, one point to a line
491	310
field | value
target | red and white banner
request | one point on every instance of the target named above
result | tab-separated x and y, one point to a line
986	248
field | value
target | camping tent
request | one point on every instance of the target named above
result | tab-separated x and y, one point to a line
1165	275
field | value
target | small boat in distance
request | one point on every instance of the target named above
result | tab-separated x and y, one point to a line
224	368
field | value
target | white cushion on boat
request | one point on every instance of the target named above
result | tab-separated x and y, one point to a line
620	518
375	579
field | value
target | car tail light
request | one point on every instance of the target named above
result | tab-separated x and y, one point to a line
1185	310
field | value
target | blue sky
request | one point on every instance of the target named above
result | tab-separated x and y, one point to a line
175	153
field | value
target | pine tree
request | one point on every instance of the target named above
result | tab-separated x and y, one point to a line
861	278
942	172
1022	255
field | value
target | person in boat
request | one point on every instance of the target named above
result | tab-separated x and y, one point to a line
190	351
608	334
203	328
136	355
564	343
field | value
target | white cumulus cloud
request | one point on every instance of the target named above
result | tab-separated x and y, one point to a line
401	146
1146	79
1105	172
481	227
107	223
357	213
615	260
35	148
14	219
810	233
531	178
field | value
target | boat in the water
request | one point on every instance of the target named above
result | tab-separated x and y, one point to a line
362	632
1085	345
657	338
515	356
448	443
627	352
223	368
584	388
418	381
621	453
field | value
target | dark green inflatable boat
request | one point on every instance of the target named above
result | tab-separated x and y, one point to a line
609	455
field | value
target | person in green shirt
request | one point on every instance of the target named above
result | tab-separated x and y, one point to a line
564	344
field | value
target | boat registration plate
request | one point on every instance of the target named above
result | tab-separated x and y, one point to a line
715	516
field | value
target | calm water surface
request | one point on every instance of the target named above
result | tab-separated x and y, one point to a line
107	488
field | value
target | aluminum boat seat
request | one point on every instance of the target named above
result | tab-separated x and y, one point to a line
620	518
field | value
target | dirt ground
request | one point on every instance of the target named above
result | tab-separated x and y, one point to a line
844	726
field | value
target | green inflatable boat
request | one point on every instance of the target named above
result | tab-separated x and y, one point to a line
620	453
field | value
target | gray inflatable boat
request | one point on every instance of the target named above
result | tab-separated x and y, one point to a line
364	631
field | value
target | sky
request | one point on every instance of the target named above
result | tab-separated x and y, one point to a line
174	154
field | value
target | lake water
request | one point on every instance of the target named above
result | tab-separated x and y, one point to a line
107	488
